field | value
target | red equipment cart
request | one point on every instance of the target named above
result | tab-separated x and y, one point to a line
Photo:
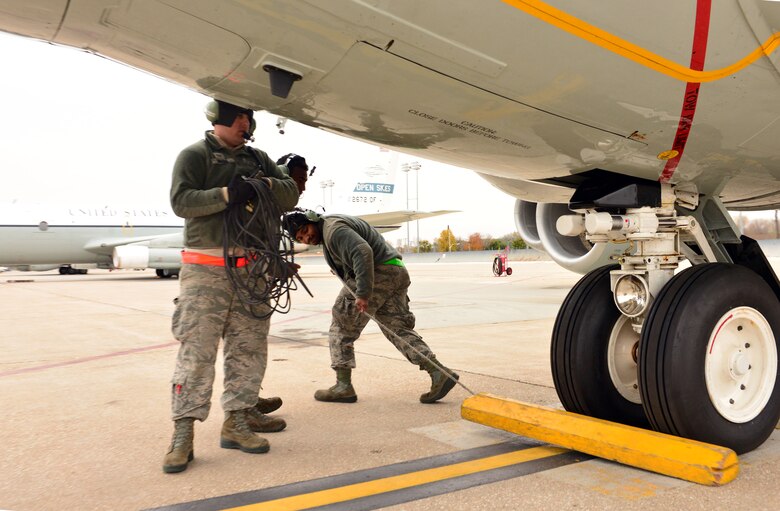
500	263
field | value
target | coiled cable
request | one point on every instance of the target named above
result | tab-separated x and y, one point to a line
254	231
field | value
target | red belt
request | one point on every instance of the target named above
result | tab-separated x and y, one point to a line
195	258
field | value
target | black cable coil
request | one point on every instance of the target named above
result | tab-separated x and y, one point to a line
255	231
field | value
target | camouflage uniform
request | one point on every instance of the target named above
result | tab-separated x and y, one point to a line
207	307
359	255
389	304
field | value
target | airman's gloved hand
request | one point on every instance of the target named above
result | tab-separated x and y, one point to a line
239	191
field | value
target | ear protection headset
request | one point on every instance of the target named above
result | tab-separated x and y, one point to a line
294	160
312	216
224	113
298	218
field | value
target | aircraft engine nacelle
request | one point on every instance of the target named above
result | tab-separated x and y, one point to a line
535	223
140	257
525	222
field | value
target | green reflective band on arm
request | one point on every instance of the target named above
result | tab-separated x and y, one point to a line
394	261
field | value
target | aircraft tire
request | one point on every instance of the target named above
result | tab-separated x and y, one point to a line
581	350
708	366
164	274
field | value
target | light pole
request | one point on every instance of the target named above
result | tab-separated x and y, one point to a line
406	168
327	184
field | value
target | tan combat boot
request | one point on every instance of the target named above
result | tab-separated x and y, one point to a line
268	405
180	452
341	392
262	423
441	383
237	435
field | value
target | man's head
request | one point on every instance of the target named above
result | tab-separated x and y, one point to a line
297	168
233	124
303	227
300	175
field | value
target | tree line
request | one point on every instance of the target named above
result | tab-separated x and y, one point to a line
448	242
757	228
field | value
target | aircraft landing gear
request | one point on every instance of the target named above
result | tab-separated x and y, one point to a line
592	354
69	270
166	274
725	362
693	354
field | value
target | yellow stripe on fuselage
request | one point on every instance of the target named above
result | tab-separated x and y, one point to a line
615	44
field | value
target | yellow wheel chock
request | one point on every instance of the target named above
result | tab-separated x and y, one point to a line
669	455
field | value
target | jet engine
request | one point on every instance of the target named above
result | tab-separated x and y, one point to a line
536	224
140	257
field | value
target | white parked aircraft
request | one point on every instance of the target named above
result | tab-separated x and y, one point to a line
38	238
73	239
624	131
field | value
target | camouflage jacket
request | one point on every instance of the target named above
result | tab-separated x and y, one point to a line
352	248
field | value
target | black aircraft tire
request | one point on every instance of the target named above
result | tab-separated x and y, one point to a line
697	369
579	353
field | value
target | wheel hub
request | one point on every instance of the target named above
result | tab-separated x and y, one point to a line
621	359
740	365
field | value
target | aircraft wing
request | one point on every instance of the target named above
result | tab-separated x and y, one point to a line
107	245
385	222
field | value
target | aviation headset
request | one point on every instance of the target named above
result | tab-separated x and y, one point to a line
221	112
296	219
294	160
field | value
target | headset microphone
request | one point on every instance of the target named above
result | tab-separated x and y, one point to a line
248	137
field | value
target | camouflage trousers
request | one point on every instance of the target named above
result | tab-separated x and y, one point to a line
208	309
389	304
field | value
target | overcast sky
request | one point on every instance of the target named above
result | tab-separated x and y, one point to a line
78	128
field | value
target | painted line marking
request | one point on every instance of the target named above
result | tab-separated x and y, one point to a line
398	483
85	359
595	35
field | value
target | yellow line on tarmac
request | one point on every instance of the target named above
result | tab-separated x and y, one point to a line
658	452
400	482
611	42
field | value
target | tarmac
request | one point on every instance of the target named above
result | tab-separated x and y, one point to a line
85	368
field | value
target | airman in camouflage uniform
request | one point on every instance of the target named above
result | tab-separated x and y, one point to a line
207	181
375	282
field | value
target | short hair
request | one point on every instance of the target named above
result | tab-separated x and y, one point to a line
293	222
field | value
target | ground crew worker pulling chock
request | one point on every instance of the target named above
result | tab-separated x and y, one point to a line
375	287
